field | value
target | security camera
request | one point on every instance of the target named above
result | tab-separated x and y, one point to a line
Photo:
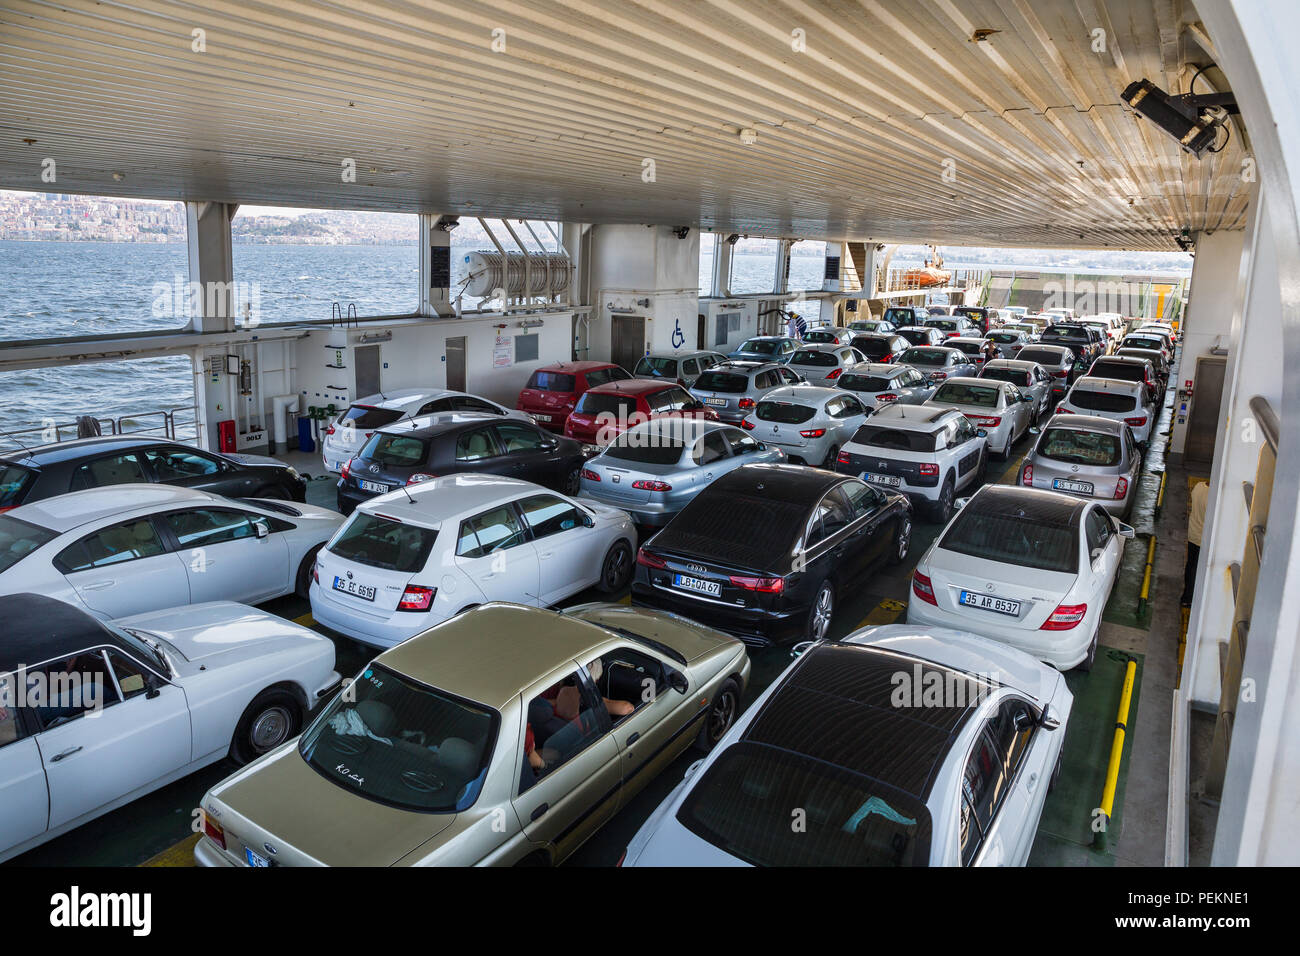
1192	119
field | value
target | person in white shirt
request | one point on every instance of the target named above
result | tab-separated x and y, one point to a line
1195	527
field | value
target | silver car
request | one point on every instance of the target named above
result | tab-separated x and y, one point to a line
1029	377
871	325
883	383
922	335
1000	408
1114	398
1088	457
1029	330
682	367
938	362
733	388
652	470
807	422
823	364
1008	341
826	335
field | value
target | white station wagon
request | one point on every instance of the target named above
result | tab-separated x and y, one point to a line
412	558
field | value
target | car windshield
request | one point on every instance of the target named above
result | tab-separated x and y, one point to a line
369	417
856	382
1014	376
14	482
924	357
645	449
959	393
551	382
609	403
880	436
400	451
729	382
20	538
815	358
1025	537
400	743
657	367
742	805
760	346
380	542
1102	401
786	413
1080	447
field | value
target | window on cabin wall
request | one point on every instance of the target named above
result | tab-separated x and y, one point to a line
807	272
753	265
708	243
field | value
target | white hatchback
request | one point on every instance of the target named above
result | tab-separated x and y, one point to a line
1115	398
415	557
1026	567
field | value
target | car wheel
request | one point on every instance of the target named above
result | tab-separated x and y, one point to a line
1006	449
726	705
821	613
573	482
903	541
617	569
273	717
303	582
942	509
1086	664
831	455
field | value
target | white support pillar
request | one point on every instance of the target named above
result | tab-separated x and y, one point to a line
720	284
211	265
781	274
435	264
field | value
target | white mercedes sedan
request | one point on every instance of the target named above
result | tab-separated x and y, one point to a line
413	558
1026	567
851	758
94	714
126	549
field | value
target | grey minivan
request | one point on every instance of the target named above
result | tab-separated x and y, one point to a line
733	388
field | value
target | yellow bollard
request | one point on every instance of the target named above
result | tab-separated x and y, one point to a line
1145	593
1116	752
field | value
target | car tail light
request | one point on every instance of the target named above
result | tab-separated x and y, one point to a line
938	376
888	358
648	560
984	422
929	471
1027	475
843	458
887	397
315	571
923	589
1065	617
652	486
746	403
347	468
369	434
590	475
1061	410
1136	422
1060	373
1121	488
416	598
214	831
420	476
764	585
813	432
330	430
747	424
835	374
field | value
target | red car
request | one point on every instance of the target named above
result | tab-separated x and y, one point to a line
609	410
553	391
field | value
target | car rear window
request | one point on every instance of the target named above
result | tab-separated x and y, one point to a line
1066	334
400	451
821	335
958	393
601	376
948	325
1077	447
1042	356
915	336
1125	370
1156	345
397	742
379	542
20	538
970	348
1004	337
873	348
743	802
899	316
369	417
864	383
597	403
15	480
551	382
879	436
759	346
658	367
785	413
639	449
1030	538
924	357
1014	376
815	359
1101	401
728	382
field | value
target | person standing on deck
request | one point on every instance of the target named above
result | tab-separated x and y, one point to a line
1195	526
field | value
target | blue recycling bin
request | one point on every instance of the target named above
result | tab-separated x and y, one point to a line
305	441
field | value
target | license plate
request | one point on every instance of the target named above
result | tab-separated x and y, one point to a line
375	486
1081	487
540	417
352	587
986	602
720	402
711	588
893	481
254	859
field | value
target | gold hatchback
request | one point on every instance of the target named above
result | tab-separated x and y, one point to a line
505	735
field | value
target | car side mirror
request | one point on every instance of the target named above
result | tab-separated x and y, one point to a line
798	649
1035	430
960	503
1125	530
588	521
263	529
1026	398
151	688
677	681
982	432
1049	720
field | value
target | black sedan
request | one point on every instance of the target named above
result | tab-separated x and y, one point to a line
417	449
56	469
765	551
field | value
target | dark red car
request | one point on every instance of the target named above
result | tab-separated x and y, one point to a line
609	410
553	391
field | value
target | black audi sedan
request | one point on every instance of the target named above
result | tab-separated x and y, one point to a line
56	469
766	551
430	446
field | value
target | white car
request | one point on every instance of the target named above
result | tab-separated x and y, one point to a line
1001	409
845	744
127	549
413	558
807	422
94	714
1115	398
354	426
1027	567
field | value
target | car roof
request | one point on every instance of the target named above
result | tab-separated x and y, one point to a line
1032	504
572	367
828	347
939	346
1018	365
797	484
675	426
878	368
400	396
429	503
633	386
973	339
75	448
522	644
1100	383
743	365
679	355
1124	359
974	380
914	328
76	508
808	393
1060	350
914	417
39	629
1089	423
440	423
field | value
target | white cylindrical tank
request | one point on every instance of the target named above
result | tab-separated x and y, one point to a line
486	274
